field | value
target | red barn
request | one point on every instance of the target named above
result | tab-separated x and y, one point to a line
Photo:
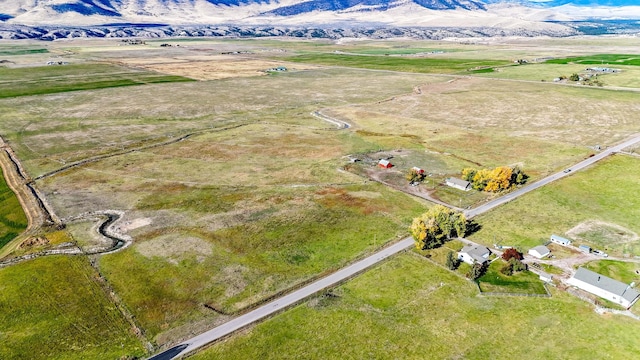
385	164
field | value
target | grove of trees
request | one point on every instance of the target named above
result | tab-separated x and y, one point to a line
513	257
436	226
495	180
414	176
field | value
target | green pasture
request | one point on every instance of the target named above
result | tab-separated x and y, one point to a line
62	78
21	50
402	64
12	218
524	282
599	59
56	308
602	193
409	308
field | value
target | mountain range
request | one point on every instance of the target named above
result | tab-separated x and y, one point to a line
427	13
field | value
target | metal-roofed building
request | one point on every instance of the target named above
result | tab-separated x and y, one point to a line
458	183
560	240
539	251
605	287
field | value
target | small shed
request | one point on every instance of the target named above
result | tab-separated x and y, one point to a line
560	240
585	249
385	164
545	277
418	170
458	184
539	251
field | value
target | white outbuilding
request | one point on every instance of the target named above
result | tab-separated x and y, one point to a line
539	251
605	287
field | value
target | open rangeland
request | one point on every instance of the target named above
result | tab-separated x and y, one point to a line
410	308
234	193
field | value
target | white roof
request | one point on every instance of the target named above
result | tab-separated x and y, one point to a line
458	182
540	249
476	252
607	284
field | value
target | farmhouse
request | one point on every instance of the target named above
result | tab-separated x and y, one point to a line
539	251
472	254
385	164
605	287
560	240
458	184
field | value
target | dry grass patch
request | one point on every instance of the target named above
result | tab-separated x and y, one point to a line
213	67
571	116
175	248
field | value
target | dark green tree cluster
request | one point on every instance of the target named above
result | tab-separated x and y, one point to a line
477	271
452	261
436	226
512	266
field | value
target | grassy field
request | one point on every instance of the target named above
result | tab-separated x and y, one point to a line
20	50
559	207
172	271
63	78
12	219
55	307
524	282
599	59
47	132
408	308
419	65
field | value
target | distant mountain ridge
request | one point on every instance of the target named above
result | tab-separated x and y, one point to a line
419	13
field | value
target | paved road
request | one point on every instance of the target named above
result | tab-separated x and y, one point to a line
568	171
351	270
283	302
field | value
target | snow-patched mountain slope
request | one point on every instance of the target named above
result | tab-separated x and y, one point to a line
452	13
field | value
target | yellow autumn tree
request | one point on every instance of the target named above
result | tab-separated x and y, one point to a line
435	226
500	179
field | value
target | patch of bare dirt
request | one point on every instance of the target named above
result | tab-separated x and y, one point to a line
134	224
34	241
615	233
